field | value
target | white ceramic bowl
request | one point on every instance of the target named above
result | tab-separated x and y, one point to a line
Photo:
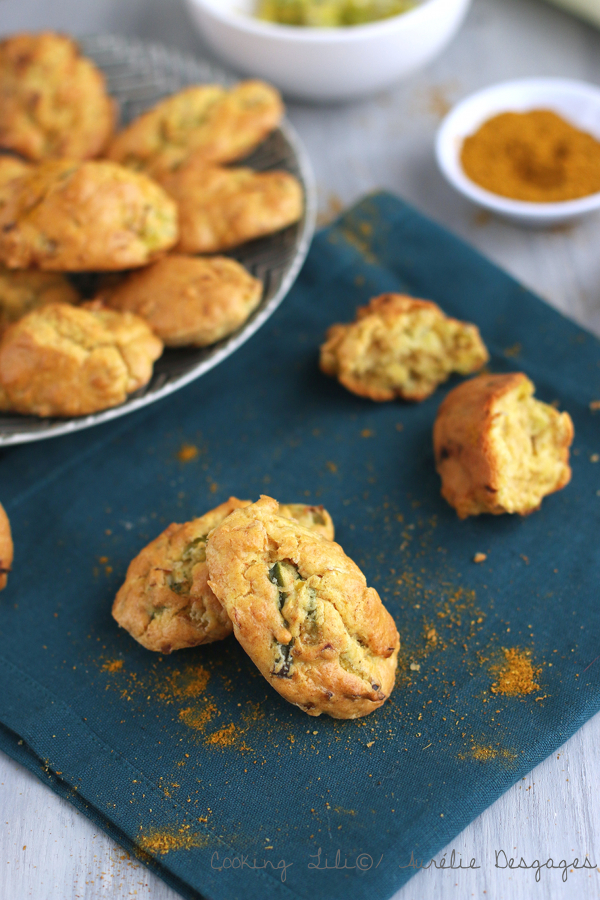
328	64
576	101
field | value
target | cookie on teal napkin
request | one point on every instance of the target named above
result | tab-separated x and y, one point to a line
191	760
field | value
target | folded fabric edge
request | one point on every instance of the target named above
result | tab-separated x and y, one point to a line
16	748
25	703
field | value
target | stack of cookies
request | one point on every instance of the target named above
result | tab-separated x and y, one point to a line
273	576
140	204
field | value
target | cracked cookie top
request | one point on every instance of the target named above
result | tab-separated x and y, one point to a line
206	122
302	611
74	216
53	100
221	208
188	300
165	602
62	360
22	291
497	448
399	346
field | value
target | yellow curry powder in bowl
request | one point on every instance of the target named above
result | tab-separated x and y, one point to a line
526	150
536	156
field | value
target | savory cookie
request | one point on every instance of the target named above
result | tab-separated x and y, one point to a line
315	518
21	291
11	168
63	360
81	216
400	347
498	449
187	300
53	101
221	208
205	122
6	548
165	602
302	611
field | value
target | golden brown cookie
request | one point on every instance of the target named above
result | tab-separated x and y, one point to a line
400	347
188	300
63	360
53	101
206	122
84	216
498	449
315	518
11	168
21	291
302	611
221	208
6	548
165	602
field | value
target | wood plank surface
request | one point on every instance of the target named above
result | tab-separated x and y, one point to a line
48	851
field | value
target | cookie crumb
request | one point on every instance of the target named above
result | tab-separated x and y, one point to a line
415	667
595	457
480	557
594	405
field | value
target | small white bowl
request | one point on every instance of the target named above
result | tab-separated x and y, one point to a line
576	101
328	64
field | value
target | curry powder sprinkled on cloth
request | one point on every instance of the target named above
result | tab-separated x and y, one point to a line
182	684
159	842
535	156
224	737
112	665
198	719
516	676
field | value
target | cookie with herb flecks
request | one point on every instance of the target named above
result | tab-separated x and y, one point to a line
23	290
498	449
188	300
399	346
53	100
206	122
302	611
70	216
221	208
62	360
165	602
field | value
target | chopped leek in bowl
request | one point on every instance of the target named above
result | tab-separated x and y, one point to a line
330	13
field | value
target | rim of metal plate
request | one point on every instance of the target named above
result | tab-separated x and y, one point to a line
138	75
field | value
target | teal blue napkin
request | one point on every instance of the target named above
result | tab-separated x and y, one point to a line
191	760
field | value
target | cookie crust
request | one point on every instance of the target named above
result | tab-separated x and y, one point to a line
222	208
74	216
187	300
165	602
498	449
63	360
206	122
400	346
302	611
53	100
22	291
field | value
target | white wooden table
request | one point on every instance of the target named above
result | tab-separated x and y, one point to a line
48	851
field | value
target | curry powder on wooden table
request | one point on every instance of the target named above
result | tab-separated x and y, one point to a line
535	156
